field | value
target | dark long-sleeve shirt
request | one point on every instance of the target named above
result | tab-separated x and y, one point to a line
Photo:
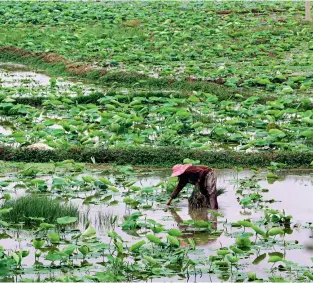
193	175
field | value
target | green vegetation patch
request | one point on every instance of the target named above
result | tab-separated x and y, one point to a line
195	40
160	157
105	78
35	208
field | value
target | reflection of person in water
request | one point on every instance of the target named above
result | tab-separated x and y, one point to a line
202	176
196	215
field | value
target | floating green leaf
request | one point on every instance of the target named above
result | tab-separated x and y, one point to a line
135	247
66	220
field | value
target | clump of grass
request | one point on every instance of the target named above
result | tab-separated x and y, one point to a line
198	200
26	208
100	219
106	219
132	23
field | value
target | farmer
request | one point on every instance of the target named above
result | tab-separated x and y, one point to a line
202	176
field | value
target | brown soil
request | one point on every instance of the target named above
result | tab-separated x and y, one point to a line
53	57
131	23
82	68
75	68
225	12
102	72
15	50
219	81
255	11
79	69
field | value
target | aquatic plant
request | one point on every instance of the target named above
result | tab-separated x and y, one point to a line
156	99
30	209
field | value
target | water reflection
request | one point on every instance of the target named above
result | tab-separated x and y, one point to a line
26	83
6	128
295	194
196	214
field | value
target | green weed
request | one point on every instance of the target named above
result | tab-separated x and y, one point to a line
26	208
161	157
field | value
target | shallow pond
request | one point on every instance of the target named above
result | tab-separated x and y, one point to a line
292	192
6	128
136	116
15	75
27	83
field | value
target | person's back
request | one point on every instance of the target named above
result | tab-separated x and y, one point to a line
202	176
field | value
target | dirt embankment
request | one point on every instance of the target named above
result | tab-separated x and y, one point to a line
83	70
71	67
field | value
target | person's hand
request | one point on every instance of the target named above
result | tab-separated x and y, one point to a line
169	201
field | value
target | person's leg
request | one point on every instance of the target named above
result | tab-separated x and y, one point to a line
209	189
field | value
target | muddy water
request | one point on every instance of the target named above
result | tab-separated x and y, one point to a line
6	127
19	76
13	75
5	130
293	192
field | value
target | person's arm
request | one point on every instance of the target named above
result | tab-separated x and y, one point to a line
181	184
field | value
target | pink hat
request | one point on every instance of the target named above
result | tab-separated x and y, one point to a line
179	169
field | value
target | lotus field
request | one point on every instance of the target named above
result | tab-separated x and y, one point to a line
98	100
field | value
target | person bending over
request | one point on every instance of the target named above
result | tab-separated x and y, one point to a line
202	176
